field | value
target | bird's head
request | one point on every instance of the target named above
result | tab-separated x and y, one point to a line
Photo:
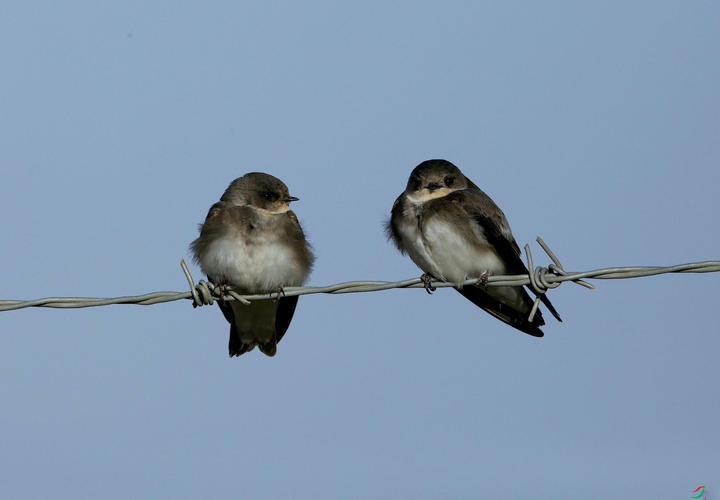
434	179
259	190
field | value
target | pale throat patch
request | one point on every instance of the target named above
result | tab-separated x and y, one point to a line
425	195
283	209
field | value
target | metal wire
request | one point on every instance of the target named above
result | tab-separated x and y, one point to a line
541	279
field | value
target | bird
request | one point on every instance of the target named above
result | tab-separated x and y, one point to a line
252	242
453	232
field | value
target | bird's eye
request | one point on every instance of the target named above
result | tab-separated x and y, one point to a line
449	180
270	196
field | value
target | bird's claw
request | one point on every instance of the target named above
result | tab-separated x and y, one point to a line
427	283
222	290
280	291
484	278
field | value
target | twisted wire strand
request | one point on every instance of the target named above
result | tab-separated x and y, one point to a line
540	279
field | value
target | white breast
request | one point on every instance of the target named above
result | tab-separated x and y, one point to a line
455	257
439	249
260	264
412	240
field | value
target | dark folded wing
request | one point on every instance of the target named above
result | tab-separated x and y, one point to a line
492	220
283	316
391	229
491	305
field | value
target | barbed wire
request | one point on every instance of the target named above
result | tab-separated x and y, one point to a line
541	279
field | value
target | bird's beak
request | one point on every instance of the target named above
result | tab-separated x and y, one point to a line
291	198
433	186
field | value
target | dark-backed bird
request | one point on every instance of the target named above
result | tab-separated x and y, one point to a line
453	231
252	241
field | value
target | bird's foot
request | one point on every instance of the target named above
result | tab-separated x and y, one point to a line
484	278
427	283
222	290
280	292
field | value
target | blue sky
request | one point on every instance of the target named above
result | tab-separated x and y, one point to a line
596	126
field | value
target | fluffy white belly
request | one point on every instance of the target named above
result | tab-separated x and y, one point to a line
257	265
445	253
415	246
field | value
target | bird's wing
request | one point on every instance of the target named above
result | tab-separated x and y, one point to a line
481	298
391	225
303	249
286	305
283	316
211	228
484	212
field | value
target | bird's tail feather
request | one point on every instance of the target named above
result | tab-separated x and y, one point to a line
237	347
269	348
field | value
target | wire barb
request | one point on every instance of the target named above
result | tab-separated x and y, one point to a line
540	279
